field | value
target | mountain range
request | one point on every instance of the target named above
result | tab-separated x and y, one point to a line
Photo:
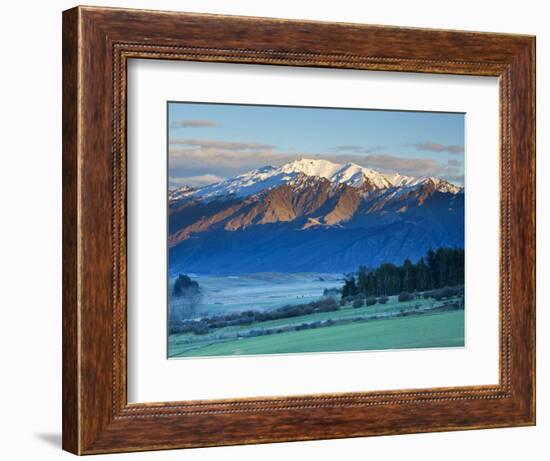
311	215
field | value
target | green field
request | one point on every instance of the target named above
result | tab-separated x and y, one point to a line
438	329
180	344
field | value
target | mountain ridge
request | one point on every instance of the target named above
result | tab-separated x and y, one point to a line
320	215
269	177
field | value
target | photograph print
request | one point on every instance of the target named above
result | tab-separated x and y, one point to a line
313	230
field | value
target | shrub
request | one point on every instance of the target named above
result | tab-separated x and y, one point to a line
328	304
445	292
175	326
371	301
448	292
383	300
403	297
201	328
215	323
358	303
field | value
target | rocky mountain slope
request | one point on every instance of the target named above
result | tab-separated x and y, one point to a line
311	215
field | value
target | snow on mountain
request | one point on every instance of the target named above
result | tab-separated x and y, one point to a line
349	173
248	183
180	192
295	172
309	167
437	183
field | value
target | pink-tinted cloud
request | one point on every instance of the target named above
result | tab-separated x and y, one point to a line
359	149
436	147
194	181
227	145
203	161
195	123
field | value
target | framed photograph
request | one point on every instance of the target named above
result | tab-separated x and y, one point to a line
284	230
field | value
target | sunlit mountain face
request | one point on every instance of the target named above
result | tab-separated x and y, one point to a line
311	215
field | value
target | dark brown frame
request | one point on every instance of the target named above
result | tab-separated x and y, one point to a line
97	43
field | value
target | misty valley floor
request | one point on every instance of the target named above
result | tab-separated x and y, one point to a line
395	325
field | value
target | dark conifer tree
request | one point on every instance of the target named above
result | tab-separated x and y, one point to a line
438	269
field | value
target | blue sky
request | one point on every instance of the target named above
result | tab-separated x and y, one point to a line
210	142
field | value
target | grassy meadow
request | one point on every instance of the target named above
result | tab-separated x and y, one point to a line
419	323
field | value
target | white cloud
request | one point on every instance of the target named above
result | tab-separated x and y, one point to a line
195	123
436	147
194	181
202	161
359	149
229	145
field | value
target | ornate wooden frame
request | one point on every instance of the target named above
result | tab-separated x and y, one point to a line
97	43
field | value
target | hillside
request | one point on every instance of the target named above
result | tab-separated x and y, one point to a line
311	215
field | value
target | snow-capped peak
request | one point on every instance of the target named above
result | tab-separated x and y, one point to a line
311	167
350	174
180	192
438	184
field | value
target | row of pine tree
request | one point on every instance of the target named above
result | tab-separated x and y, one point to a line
441	268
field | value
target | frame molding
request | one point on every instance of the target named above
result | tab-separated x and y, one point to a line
97	43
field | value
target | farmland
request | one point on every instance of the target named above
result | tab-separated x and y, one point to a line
445	329
416	323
